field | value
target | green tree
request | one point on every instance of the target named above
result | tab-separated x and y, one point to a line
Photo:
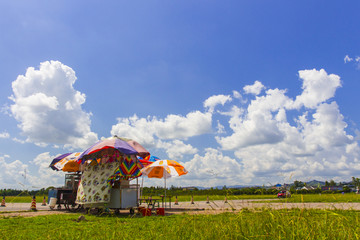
298	184
356	181
332	183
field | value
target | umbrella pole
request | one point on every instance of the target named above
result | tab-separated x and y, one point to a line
142	184
165	192
137	190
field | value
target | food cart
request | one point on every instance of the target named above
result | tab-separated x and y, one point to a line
107	172
102	186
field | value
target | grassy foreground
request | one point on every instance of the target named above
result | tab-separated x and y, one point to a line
347	197
258	224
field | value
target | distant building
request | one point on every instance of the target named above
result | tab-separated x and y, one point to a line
332	188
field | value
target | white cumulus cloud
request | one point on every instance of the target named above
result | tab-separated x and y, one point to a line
146	130
213	169
312	144
259	124
45	176
11	173
167	133
176	149
215	100
318	86
48	108
255	89
271	139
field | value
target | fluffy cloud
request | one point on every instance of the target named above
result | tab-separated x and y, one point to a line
48	108
17	175
4	135
318	86
259	124
166	133
45	176
176	149
314	145
255	89
11	173
146	130
212	101
271	139
213	169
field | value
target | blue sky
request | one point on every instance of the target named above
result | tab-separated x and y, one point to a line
241	92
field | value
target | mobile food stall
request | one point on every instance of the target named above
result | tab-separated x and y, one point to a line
108	167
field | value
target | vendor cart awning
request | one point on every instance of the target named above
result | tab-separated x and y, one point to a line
124	145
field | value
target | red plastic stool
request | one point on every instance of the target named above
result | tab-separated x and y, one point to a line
160	211
146	212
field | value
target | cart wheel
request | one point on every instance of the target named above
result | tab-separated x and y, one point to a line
51	208
72	207
132	211
87	210
99	210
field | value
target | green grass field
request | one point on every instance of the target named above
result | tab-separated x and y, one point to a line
258	224
187	198
347	197
23	199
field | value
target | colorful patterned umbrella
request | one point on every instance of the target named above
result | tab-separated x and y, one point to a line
68	163
129	168
123	145
57	159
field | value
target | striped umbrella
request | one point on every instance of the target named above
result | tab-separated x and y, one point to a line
57	159
164	169
68	163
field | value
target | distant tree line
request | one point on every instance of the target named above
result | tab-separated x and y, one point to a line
179	191
16	192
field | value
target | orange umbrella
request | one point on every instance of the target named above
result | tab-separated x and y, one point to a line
69	163
164	169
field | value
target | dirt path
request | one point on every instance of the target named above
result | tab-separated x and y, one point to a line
30	213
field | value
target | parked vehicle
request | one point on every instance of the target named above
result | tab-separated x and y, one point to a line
284	194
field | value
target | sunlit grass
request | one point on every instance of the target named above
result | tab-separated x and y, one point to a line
187	198
345	198
23	199
257	224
